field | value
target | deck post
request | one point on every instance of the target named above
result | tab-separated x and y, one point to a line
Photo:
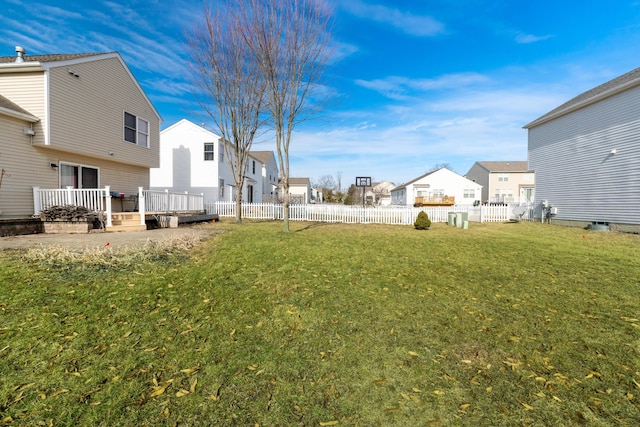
141	206
107	202
37	205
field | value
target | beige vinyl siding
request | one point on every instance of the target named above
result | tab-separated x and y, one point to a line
28	91
87	112
24	167
574	168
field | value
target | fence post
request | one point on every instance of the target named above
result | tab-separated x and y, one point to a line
141	206
166	200
107	201
69	196
186	194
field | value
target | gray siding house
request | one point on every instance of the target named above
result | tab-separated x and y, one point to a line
586	156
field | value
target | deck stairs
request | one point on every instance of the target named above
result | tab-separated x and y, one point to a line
125	221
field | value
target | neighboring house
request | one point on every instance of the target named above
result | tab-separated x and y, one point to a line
299	190
269	174
503	182
441	187
379	193
78	120
586	156
193	159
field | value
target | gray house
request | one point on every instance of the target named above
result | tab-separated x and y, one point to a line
586	156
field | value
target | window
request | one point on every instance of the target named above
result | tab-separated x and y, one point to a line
438	193
503	177
221	187
77	176
221	156
469	193
208	151
136	130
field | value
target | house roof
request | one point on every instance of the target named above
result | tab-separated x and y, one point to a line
263	156
298	181
617	85
10	108
505	166
49	58
400	187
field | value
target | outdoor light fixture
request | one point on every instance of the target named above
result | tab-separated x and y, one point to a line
54	166
614	151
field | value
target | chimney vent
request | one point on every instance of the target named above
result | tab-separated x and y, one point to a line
20	52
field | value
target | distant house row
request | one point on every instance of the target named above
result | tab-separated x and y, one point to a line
83	121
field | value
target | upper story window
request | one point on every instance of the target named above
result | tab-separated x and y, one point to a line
503	177
221	156
136	130
208	151
469	193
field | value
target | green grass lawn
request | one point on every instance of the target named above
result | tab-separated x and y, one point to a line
348	325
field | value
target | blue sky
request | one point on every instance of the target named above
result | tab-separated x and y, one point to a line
417	83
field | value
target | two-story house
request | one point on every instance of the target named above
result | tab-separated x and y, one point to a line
270	174
504	182
72	120
586	156
193	159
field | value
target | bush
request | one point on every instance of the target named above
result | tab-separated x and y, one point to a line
422	221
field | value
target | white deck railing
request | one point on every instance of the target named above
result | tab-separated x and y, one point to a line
394	215
164	201
99	200
94	199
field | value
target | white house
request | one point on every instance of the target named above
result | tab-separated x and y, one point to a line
270	174
193	159
379	193
586	156
504	182
441	187
299	190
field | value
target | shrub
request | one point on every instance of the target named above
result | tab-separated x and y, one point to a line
422	221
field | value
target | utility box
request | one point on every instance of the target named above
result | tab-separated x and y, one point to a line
451	219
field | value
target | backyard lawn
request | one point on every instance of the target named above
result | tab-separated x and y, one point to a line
346	325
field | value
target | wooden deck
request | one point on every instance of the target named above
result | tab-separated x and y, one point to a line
435	201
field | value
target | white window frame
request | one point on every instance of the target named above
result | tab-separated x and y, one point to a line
140	135
211	152
79	185
469	193
503	177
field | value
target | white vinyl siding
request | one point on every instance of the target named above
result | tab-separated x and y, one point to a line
574	168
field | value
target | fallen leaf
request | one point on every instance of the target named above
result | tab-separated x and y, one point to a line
160	388
328	423
192	387
464	406
182	392
438	392
413	353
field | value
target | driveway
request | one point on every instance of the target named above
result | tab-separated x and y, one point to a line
99	239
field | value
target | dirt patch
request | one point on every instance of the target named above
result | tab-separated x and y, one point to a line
100	238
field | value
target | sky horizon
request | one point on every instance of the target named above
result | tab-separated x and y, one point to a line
416	85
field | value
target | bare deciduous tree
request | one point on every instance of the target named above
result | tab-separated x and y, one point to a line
290	41
230	86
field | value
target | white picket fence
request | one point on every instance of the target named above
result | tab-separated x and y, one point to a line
393	215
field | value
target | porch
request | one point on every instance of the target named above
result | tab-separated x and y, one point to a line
122	212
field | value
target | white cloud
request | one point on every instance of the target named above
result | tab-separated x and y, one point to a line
401	88
530	38
417	25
